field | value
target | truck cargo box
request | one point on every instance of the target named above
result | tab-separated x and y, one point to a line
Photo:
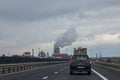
80	50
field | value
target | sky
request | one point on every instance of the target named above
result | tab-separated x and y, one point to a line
34	24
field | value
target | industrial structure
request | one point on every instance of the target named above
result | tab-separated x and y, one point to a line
59	55
42	54
27	54
56	49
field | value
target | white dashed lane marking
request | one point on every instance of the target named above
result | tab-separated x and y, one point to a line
61	69
45	77
56	72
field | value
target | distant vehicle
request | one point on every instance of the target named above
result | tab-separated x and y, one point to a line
80	62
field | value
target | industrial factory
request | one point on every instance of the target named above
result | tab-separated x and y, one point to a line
59	55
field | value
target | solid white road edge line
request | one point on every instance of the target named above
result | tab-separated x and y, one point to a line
45	77
104	78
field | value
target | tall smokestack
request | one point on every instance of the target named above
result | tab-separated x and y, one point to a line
56	49
32	52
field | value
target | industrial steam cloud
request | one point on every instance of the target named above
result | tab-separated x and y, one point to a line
66	38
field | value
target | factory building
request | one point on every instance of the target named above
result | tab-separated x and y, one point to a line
61	56
42	54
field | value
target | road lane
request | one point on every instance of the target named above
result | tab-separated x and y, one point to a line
64	75
109	73
36	74
104	78
57	72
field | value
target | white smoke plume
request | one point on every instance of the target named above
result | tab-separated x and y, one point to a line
66	38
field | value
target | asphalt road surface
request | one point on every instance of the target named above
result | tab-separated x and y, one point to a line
61	72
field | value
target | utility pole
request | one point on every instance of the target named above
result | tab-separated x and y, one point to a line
96	55
100	53
39	50
66	50
100	56
9	54
32	52
90	53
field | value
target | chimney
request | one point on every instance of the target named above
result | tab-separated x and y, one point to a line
32	52
56	49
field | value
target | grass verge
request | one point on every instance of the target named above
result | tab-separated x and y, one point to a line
109	65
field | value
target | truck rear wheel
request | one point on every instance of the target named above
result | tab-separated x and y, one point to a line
89	72
71	71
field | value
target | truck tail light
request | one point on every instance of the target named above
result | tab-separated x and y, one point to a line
70	61
89	61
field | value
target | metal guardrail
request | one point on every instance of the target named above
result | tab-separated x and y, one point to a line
10	68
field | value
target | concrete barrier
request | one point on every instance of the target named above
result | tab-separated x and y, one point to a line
10	68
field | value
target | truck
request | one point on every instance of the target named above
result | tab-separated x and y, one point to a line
80	61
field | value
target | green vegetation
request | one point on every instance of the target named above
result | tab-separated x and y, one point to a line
110	65
19	59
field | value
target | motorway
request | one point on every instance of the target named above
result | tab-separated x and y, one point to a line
61	72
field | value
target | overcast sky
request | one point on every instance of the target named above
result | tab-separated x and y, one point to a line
33	24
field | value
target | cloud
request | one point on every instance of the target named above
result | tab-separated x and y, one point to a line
7	43
28	10
119	37
30	24
107	39
100	39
